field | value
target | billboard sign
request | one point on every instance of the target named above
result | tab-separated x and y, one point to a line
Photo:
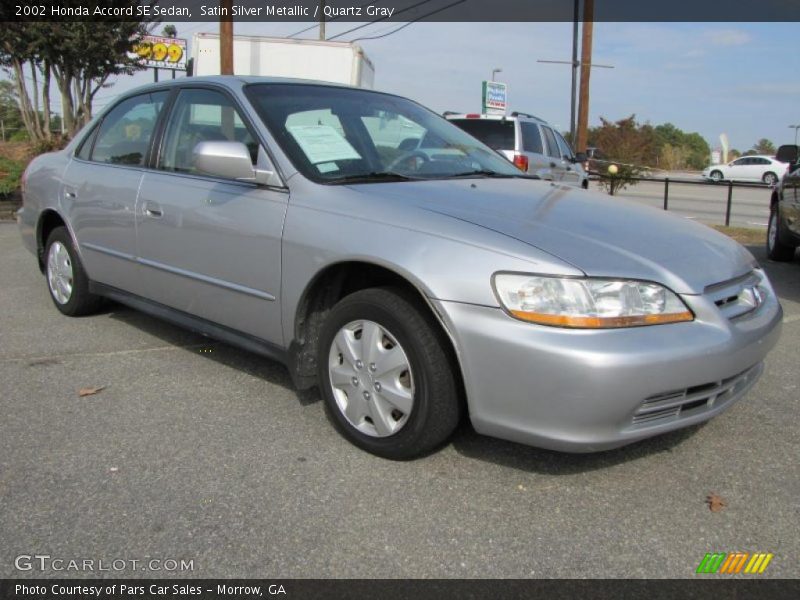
495	98
161	52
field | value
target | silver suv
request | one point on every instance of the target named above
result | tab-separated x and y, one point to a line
532	144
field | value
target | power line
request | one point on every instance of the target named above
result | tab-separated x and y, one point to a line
378	20
315	25
430	14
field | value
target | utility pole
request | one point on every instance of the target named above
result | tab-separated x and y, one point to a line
226	37
322	20
575	19
586	69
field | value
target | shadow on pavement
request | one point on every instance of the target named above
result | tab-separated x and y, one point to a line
258	366
547	462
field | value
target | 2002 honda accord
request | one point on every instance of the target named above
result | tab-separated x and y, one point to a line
410	286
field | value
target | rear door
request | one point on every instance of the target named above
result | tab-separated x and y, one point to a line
533	147
101	185
209	246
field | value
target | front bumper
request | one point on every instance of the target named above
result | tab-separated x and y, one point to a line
592	390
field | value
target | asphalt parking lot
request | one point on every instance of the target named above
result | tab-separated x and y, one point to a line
195	450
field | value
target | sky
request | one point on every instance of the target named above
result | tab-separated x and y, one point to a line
735	78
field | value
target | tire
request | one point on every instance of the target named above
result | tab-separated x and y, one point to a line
417	394
66	278
770	178
777	250
716	176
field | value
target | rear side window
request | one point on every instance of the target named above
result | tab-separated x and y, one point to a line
552	145
498	135
531	138
124	135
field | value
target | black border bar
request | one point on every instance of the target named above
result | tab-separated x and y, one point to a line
407	10
717	587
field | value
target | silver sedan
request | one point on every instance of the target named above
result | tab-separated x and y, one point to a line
414	288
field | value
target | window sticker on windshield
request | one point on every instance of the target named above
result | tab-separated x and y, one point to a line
323	144
327	167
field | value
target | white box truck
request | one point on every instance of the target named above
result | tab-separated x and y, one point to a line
337	62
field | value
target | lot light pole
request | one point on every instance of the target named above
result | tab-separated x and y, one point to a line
495	72
795	127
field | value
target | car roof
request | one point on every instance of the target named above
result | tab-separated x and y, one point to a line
511	117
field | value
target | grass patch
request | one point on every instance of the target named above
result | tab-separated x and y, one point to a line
743	235
10	173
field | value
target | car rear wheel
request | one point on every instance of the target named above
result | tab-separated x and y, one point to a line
716	176
66	279
385	374
777	250
770	178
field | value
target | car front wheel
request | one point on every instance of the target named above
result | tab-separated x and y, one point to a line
777	250
386	376
66	278
716	176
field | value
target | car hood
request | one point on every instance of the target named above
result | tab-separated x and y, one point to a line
601	235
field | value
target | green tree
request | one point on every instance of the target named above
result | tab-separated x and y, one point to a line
79	56
169	31
764	146
625	141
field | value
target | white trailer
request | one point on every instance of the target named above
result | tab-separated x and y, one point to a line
337	62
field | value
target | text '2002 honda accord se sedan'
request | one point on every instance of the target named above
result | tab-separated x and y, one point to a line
411	286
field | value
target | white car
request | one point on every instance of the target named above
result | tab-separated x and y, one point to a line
748	168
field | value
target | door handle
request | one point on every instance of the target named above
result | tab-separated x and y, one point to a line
152	210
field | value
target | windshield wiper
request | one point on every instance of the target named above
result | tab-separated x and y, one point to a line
372	177
494	174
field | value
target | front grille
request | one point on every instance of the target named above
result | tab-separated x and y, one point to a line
739	296
690	401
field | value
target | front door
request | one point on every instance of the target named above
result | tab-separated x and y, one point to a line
211	247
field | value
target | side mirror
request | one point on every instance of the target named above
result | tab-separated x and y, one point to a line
581	157
230	160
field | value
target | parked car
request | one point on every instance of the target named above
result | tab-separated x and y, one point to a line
783	231
748	168
533	145
410	287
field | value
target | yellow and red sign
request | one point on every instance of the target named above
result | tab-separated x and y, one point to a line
161	52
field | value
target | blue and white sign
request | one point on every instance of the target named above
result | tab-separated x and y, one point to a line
495	98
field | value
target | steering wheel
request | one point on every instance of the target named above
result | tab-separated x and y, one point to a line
408	156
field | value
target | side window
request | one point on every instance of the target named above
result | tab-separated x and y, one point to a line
531	138
762	161
201	116
124	135
86	146
552	145
741	162
563	146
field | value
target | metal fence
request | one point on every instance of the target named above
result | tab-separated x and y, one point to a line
730	185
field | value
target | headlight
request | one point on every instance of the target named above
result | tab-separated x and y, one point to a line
588	303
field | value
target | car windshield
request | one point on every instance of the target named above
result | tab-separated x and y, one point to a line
344	135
